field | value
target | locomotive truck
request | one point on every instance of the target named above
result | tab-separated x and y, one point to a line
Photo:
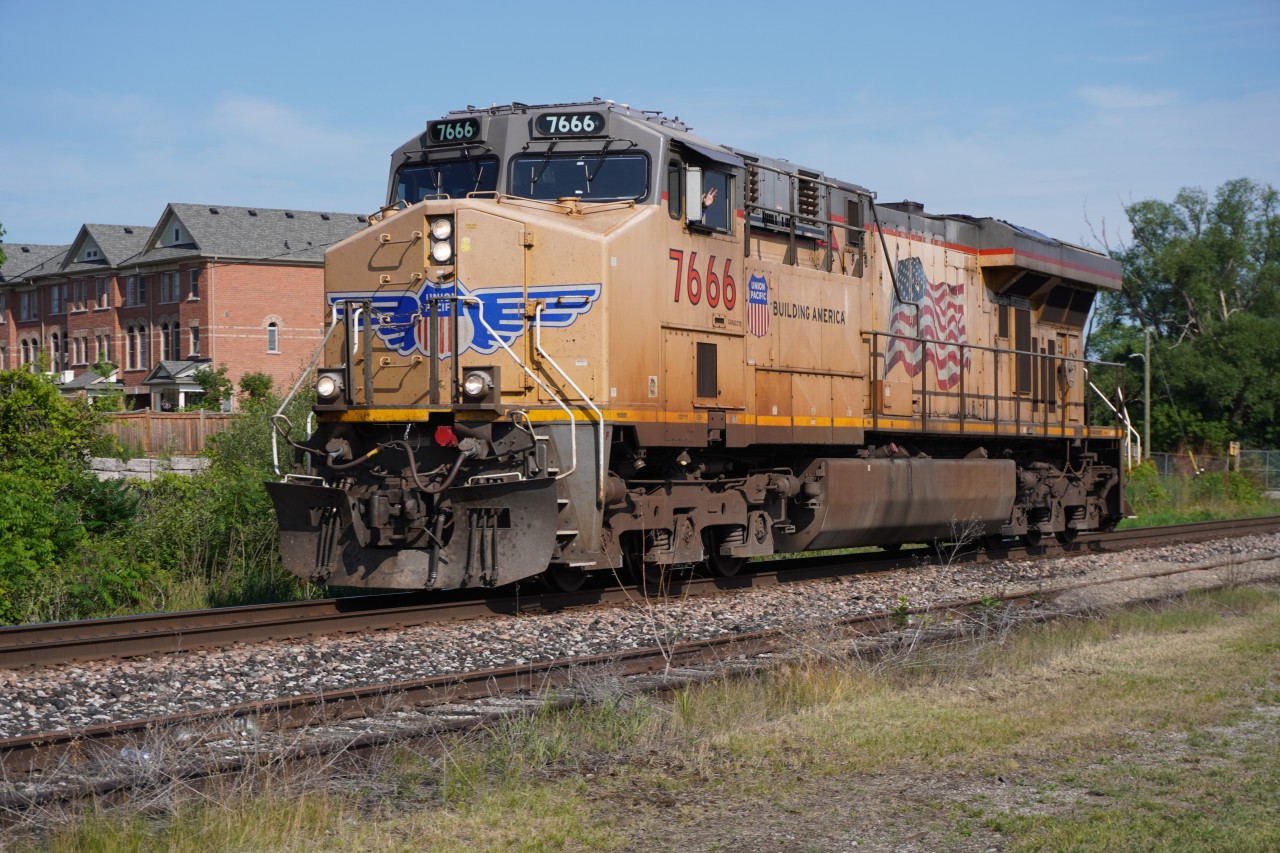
579	337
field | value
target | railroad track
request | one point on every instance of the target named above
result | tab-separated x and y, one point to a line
161	633
106	743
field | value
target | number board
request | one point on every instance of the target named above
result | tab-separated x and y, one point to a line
453	130
569	124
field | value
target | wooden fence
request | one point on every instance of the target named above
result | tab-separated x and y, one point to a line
173	433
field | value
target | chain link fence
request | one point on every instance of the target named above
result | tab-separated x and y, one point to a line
1260	466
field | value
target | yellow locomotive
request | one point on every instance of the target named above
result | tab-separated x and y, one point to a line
580	337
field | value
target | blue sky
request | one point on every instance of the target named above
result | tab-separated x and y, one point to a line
1052	117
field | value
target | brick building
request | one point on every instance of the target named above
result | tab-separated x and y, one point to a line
205	285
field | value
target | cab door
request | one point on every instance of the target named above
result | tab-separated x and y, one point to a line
703	378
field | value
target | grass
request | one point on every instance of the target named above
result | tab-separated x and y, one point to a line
1163	499
1145	729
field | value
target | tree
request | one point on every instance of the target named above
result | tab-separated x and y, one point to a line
215	385
1203	275
257	385
42	434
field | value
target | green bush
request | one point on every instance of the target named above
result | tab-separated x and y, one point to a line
1229	487
37	532
42	434
257	386
1147	490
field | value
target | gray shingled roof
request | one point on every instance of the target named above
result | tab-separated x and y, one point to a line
90	379
251	233
175	371
119	243
23	259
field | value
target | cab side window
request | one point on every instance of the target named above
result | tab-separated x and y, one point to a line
717	195
675	189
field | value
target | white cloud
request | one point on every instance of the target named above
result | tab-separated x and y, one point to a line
1125	97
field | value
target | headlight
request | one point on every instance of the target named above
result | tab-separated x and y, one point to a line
476	384
441	252
442	228
328	386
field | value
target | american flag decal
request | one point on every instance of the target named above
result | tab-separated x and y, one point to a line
941	317
758	306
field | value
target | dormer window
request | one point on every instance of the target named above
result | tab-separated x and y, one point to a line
177	234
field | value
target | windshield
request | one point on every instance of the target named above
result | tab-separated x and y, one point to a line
454	179
590	177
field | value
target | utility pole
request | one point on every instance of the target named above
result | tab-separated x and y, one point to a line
1145	355
1146	392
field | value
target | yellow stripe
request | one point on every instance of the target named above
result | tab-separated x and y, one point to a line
649	416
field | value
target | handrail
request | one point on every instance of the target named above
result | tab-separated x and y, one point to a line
871	337
984	348
275	426
573	434
537	344
1124	419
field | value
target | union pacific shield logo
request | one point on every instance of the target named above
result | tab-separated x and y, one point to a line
758	306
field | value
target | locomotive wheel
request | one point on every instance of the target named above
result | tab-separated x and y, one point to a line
1066	537
566	578
648	576
891	548
723	565
1033	537
993	542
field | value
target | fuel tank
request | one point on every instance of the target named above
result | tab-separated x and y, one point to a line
845	503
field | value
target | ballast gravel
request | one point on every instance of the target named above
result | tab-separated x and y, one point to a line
51	698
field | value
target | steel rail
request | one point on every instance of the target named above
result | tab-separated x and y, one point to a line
37	752
58	643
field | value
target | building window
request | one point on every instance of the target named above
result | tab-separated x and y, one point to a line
165	354
136	347
169	286
55	356
135	291
29	305
101	295
55	299
273	337
4	309
195	340
193	291
176	341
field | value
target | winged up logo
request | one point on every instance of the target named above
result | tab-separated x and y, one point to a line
489	317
